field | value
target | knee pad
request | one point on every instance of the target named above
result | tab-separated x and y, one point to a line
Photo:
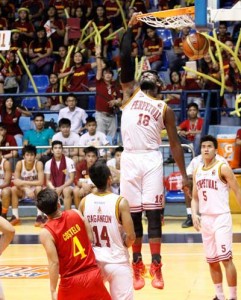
137	221
154	223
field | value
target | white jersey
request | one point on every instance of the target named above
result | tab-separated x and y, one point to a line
29	175
102	213
197	160
213	192
2	173
96	140
71	140
142	122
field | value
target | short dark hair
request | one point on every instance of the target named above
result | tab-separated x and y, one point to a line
119	149
91	149
90	119
47	201
64	121
192	105
99	174
29	149
38	115
2	125
209	138
71	95
108	70
56	143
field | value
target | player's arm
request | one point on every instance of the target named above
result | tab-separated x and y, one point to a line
127	66
48	242
8	232
127	223
87	224
228	175
7	175
195	207
176	148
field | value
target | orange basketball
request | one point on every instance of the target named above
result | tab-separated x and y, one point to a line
195	46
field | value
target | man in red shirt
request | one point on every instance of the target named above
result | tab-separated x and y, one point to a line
83	184
189	130
7	140
66	239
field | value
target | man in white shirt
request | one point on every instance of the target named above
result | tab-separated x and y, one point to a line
76	114
60	173
114	166
68	138
93	137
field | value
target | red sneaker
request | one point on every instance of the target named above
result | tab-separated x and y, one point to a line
14	221
139	271
156	275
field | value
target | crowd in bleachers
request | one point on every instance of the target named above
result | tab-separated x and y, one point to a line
44	33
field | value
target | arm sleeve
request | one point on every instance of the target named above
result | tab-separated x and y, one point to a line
127	66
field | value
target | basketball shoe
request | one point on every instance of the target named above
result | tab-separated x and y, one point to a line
156	275
139	271
14	221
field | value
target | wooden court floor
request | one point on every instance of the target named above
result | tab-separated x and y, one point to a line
24	274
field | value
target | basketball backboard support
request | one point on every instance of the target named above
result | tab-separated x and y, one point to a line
222	14
202	13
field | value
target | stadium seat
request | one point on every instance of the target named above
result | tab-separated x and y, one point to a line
91	102
166	36
30	103
109	139
165	62
25	123
41	81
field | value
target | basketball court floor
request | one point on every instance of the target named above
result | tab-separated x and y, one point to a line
24	273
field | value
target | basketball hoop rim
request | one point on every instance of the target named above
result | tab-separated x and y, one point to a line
169	13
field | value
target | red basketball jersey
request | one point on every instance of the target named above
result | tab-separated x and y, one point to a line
72	243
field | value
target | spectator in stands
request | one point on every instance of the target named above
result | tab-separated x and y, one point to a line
3	21
7	140
60	174
36	9
223	35
108	99
5	182
174	99
101	20
39	137
54	27
59	62
83	184
18	43
81	9
1	77
153	47
28	182
54	102
60	5
114	166
10	114
24	25
68	138
93	137
178	50
190	129
12	74
77	80
76	114
40	53
138	4
8	10
113	13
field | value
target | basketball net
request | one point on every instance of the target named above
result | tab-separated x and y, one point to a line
169	22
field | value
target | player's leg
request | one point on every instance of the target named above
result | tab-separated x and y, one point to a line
6	200
130	188
17	194
188	222
212	256
119	277
68	197
153	202
223	237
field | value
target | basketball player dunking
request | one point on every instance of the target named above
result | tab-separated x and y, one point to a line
212	180
143	118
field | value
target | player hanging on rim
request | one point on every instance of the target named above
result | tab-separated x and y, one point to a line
143	118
